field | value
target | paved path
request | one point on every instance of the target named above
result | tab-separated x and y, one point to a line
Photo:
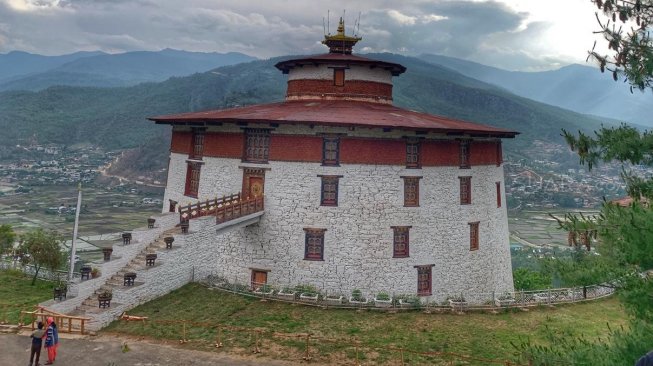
107	350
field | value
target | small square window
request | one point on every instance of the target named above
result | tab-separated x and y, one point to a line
411	191
465	190
331	151
464	154
400	243
329	196
473	235
339	77
412	154
314	244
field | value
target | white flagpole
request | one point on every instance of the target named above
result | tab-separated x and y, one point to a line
72	246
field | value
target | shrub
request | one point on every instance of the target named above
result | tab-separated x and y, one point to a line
383	296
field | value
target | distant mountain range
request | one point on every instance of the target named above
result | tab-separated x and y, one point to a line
578	88
25	71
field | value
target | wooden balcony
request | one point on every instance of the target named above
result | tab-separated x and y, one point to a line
224	209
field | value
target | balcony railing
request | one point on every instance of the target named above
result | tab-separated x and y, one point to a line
205	208
236	209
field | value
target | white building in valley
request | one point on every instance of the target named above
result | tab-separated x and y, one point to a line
358	194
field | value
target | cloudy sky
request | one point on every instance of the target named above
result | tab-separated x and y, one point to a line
511	34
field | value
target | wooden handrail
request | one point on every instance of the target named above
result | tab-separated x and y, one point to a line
64	322
237	209
205	208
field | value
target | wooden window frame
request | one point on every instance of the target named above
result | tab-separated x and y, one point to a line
413	160
192	180
425	280
339	77
498	185
411	191
473	235
197	147
328	160
499	153
401	241
465	154
326	181
257	145
313	238
465	190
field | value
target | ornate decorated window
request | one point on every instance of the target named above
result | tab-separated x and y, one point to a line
424	280
411	191
412	153
198	144
498	184
464	154
331	150
400	244
339	77
329	195
192	179
314	244
257	145
473	235
465	190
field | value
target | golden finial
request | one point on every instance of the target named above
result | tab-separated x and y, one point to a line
340	43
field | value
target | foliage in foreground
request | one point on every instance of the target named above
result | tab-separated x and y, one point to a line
17	293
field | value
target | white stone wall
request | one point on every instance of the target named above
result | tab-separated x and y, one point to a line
354	72
358	240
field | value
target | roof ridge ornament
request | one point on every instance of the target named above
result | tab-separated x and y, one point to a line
340	43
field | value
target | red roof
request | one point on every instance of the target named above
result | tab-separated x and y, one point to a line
339	58
335	113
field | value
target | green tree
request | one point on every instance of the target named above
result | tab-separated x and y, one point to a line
7	238
528	279
625	26
41	249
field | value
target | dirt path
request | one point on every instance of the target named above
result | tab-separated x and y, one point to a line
108	350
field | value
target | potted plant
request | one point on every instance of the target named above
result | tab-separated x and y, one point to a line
505	299
265	290
357	297
457	302
287	293
382	300
307	293
104	298
60	289
408	301
95	272
334	299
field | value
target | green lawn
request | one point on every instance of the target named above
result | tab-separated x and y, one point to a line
479	334
17	293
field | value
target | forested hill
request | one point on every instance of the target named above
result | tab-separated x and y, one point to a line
115	118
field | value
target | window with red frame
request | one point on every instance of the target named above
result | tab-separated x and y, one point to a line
499	153
198	144
424	280
192	179
401	241
498	184
412	153
329	195
411	191
331	150
257	145
464	154
339	77
314	244
473	235
465	190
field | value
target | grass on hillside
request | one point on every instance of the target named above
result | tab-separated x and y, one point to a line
17	293
478	334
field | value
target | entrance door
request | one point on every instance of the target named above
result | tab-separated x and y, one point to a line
259	278
253	182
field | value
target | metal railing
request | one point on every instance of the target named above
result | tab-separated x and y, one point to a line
44	273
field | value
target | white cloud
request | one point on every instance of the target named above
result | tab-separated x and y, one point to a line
401	18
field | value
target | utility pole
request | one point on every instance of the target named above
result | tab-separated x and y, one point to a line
72	246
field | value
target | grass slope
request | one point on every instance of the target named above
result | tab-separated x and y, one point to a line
17	294
480	335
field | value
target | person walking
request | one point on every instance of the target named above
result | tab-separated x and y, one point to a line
37	341
51	340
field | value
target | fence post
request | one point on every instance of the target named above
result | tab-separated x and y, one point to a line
548	298
357	360
307	355
401	353
494	299
257	349
183	338
218	337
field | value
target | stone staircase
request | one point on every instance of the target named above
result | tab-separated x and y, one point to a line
115	283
